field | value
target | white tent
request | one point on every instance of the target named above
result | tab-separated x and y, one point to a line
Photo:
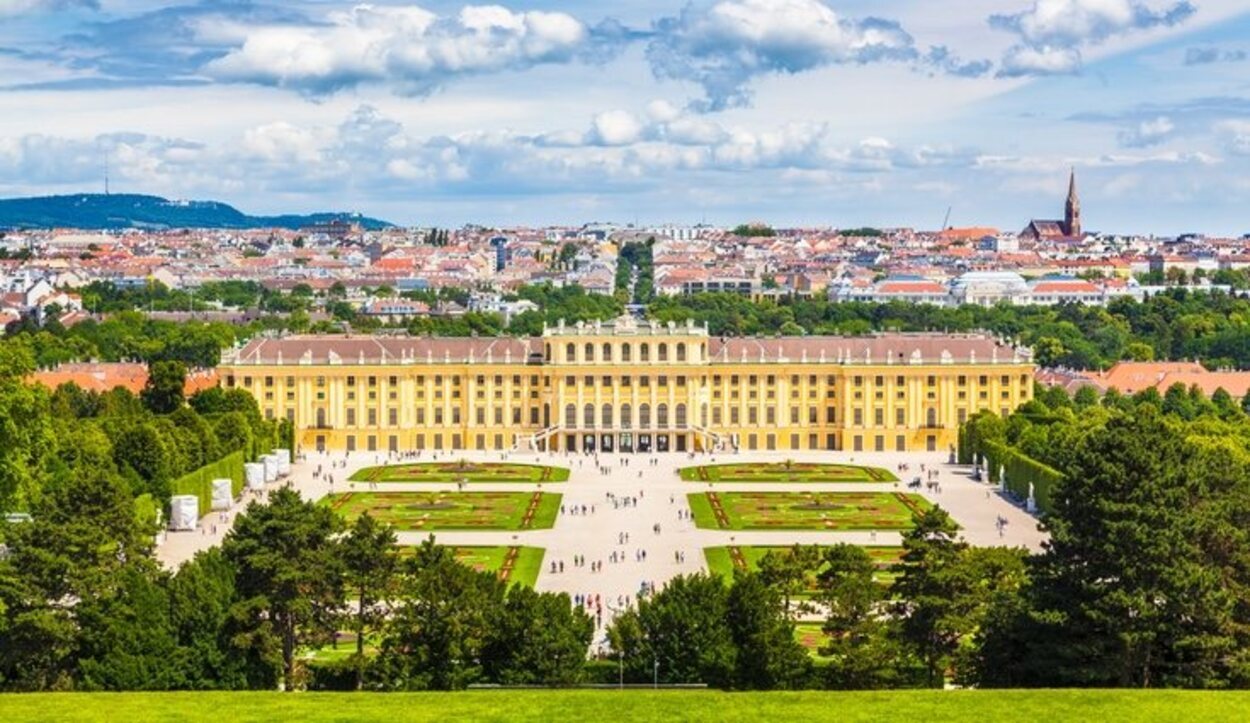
223	496
271	467
284	461
254	473
184	512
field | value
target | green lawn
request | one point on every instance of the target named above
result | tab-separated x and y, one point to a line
785	472
491	559
720	561
422	511
461	471
806	510
810	637
930	706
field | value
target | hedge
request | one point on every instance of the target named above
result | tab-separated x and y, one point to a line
1021	471
200	482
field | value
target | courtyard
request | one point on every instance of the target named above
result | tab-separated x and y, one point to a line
806	510
635	504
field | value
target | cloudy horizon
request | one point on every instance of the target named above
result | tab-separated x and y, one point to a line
794	112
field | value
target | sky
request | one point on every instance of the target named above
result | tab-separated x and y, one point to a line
838	113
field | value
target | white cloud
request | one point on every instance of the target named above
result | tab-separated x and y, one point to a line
721	47
407	46
1148	132
11	8
1046	60
1051	32
616	128
1235	135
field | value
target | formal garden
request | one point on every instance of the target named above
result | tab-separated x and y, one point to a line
787	471
724	561
432	511
806	510
516	565
453	472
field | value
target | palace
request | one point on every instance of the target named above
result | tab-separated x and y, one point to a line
630	386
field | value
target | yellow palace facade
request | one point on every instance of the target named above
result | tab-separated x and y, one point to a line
630	386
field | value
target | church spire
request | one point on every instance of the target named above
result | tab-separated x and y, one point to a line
1072	210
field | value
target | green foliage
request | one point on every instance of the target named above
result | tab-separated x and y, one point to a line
289	575
754	230
200	482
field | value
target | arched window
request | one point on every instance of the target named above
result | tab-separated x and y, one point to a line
680	412
547	354
607	352
606	415
663	352
661	416
681	352
570	353
703	416
931	418
570	416
644	352
321	418
627	417
644	416
590	353
546	415
588	415
627	352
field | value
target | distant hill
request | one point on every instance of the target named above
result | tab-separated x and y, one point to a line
98	211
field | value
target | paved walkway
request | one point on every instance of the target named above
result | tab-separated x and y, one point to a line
660	496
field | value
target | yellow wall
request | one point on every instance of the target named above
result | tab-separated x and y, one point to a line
793	405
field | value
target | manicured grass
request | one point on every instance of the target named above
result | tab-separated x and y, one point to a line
930	706
461	471
483	558
785	472
806	510
702	512
422	511
811	637
528	563
720	561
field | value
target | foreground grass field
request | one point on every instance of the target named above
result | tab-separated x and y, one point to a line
796	472
461	471
805	510
1052	706
422	511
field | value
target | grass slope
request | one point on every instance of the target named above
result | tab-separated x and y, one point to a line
1053	706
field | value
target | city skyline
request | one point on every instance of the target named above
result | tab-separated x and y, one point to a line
795	112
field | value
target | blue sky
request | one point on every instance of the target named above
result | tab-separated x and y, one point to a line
795	112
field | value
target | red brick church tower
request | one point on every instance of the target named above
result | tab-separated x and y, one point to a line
1072	210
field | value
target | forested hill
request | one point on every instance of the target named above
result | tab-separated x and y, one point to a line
115	211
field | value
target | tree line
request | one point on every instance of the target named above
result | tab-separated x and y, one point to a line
142	442
84	606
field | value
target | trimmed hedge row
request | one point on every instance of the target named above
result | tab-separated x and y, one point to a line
1021	471
200	482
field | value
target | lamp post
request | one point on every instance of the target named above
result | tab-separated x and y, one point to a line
620	658
655	683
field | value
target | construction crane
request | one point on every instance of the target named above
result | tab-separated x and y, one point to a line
946	221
